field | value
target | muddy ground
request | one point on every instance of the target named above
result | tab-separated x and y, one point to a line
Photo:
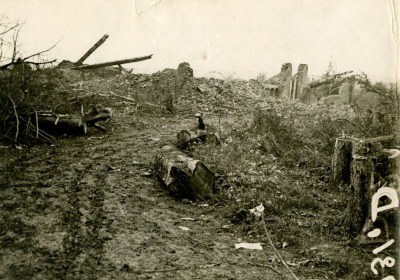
86	208
89	207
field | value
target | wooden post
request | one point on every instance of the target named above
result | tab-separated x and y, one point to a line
111	63
91	50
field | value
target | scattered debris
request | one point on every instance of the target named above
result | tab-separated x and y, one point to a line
258	211
146	174
188	219
111	168
203	205
184	228
201	134
57	122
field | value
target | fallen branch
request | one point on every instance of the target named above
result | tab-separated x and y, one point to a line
151	104
123	97
40	63
38	132
341	119
273	247
268	266
16	118
162	270
177	268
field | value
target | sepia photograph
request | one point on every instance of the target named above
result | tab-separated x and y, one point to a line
199	139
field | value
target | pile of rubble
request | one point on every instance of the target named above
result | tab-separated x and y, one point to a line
76	92
219	96
198	94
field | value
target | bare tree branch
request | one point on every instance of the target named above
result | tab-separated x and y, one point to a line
11	28
15	44
40	63
16	118
39	53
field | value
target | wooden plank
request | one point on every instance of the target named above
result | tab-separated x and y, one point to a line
111	63
92	49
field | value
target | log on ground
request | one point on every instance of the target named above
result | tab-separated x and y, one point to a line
72	124
183	175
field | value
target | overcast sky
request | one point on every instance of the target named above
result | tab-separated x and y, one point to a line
239	37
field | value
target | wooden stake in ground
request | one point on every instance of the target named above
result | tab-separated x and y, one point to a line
91	50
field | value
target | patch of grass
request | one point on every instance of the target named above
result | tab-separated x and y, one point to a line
283	161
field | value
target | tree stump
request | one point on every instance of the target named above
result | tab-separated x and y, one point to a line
182	175
388	171
366	166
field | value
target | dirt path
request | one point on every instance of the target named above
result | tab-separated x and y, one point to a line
85	209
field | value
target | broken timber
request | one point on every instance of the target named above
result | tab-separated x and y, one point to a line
111	63
91	50
183	175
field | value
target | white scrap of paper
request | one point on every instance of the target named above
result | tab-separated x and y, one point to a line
258	210
251	246
184	228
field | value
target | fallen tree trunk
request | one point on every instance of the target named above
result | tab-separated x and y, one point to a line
92	49
111	63
183	175
61	124
54	123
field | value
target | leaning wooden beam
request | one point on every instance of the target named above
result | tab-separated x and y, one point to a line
111	63
92	49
